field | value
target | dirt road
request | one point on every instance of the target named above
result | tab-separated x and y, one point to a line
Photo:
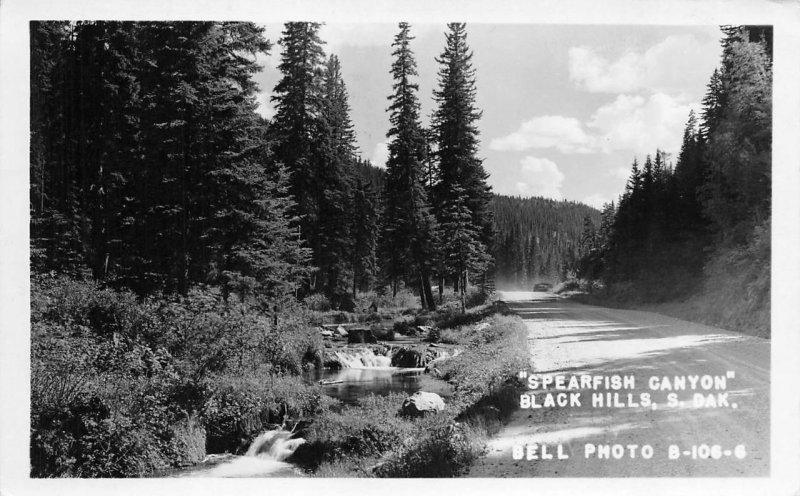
728	435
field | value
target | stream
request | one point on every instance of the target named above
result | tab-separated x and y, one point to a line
362	373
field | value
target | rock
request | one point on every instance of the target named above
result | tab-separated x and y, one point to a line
482	326
361	336
420	403
326	333
409	358
341	331
434	335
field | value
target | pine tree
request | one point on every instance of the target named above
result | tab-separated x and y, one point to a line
737	190
464	253
150	155
334	157
298	103
364	230
409	228
454	128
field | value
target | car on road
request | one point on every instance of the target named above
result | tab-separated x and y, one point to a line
543	287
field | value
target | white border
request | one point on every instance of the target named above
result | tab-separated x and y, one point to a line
14	276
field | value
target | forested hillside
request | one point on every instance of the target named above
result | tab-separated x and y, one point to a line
152	170
699	231
537	239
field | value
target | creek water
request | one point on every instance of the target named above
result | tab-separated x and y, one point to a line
363	373
264	458
359	382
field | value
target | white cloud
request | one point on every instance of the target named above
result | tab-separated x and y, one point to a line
596	200
620	173
677	64
340	34
380	154
550	131
640	124
631	122
265	108
597	74
539	177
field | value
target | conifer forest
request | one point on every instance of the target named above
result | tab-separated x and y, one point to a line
193	260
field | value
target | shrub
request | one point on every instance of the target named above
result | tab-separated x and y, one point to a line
242	407
476	297
367	430
443	448
317	302
491	359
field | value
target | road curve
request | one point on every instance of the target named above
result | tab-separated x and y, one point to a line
570	339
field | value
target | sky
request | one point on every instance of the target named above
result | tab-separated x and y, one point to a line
566	108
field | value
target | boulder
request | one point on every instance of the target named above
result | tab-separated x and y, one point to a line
482	326
361	336
326	333
434	335
341	331
421	403
409	358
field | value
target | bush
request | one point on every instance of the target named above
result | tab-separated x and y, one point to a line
490	361
317	302
367	430
121	386
476	297
443	449
242	407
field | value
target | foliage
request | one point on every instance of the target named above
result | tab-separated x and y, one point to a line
122	386
537	239
409	228
673	225
152	169
460	193
443	449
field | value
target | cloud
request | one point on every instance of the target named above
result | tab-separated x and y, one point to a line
640	124
550	131
380	154
596	200
337	35
631	122
677	64
539	177
265	108
620	173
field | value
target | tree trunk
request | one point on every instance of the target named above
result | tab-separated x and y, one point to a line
426	289
422	293
463	291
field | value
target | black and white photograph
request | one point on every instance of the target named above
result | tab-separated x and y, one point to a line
248	248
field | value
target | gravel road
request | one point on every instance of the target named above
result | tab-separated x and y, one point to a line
726	435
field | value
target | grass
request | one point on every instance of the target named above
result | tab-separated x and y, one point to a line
124	387
372	440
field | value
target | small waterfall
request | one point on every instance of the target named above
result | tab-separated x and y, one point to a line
274	445
264	458
362	358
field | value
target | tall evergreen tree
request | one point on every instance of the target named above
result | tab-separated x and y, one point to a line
409	228
364	231
455	130
334	157
150	155
464	253
298	106
737	192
